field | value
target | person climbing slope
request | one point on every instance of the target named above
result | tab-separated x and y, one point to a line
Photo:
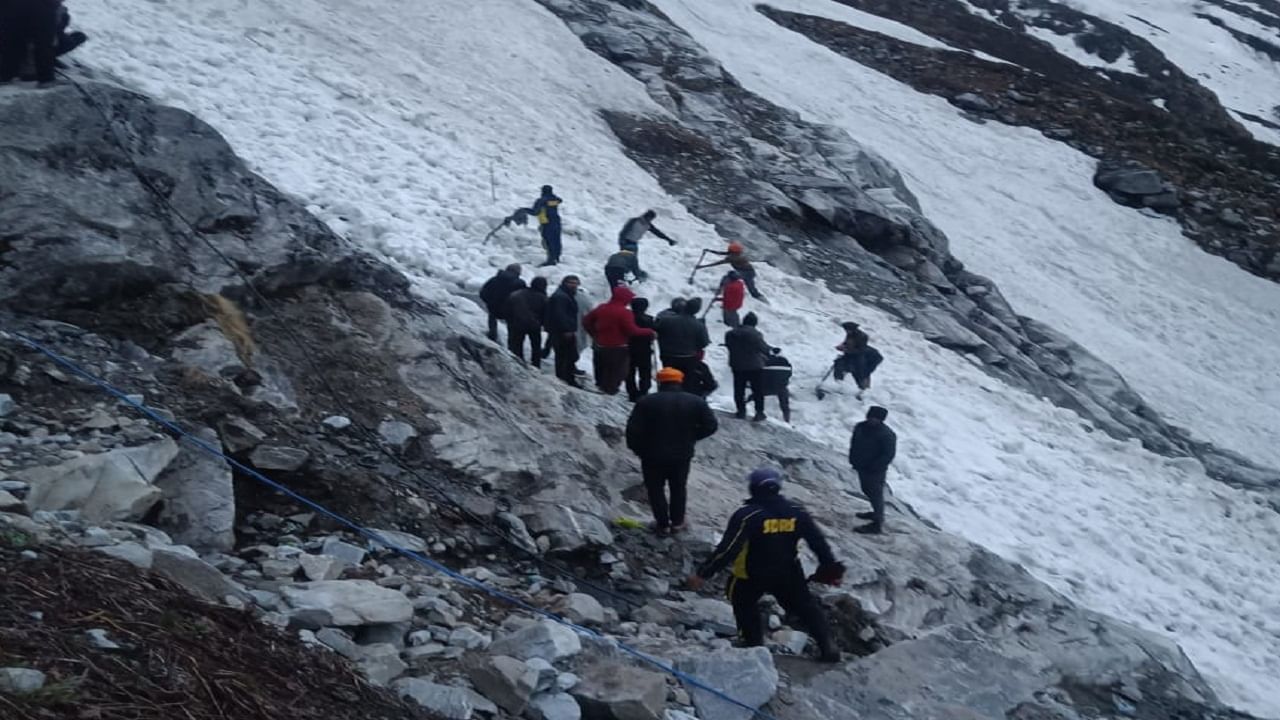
562	328
871	450
662	431
636	228
736	257
612	326
547	209
761	545
495	291
621	264
747	354
640	377
525	312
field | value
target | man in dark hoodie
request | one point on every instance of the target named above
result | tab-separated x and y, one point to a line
681	339
747	354
525	311
871	450
640	379
760	546
561	323
494	294
547	209
612	326
662	431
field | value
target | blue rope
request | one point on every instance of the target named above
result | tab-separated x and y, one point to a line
371	535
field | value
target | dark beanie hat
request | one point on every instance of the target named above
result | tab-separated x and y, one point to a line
640	304
877	412
750	319
539	283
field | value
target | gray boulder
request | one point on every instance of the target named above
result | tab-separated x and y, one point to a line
9	503
568	529
197	576
115	485
1129	178
20	681
239	434
974	102
350	603
544	639
745	674
582	609
554	706
448	703
278	457
504	680
613	691
199	504
396	433
131	552
7	405
321	567
403	540
346	552
381	663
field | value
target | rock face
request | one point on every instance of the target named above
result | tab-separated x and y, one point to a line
810	199
544	639
747	675
199	500
115	485
350	603
449	703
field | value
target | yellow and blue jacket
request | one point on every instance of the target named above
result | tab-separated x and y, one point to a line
762	541
547	209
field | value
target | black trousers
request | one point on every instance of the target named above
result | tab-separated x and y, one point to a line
493	327
658	476
551	241
614	275
792	592
28	27
688	366
516	336
749	278
640	378
612	366
566	349
872	484
741	379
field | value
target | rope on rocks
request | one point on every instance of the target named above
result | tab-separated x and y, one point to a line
183	434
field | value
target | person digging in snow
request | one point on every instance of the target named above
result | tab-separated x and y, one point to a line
774	380
747	354
494	294
620	264
640	378
612	325
736	257
871	451
761	546
857	357
547	209
733	291
562	328
636	228
525	312
662	431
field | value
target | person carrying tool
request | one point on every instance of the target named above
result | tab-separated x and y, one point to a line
736	257
547	209
857	357
636	228
620	264
761	544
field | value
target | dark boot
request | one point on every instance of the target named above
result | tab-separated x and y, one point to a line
865	515
869	529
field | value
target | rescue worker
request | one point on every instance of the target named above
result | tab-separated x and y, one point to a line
29	28
736	258
547	209
761	545
733	292
612	326
640	378
774	380
662	431
682	337
622	263
747	354
494	294
635	229
562	328
525	312
871	451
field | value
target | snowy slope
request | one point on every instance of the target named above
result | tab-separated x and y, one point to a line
386	118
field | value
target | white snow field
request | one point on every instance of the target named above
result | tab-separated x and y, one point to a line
386	117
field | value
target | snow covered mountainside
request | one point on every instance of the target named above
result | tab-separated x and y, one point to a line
411	128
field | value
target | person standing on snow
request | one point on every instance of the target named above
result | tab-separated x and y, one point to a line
871	451
635	229
733	292
562	328
682	337
640	378
494	294
858	358
761	545
29	28
612	325
662	431
620	264
547	209
736	258
525	312
747	354
774	379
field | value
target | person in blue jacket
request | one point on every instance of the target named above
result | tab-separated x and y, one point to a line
547	209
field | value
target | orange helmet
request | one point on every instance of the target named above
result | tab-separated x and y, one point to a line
736	247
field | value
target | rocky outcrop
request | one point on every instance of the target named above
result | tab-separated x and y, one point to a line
812	200
922	608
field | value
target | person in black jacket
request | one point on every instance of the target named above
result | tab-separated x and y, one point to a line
29	28
871	450
662	431
747	354
620	264
561	323
774	379
640	379
494	294
682	337
525	312
761	544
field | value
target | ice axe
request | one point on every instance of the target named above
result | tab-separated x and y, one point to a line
696	266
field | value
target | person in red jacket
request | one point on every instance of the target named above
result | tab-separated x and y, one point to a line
611	326
733	291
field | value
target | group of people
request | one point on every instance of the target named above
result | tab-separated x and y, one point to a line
33	34
761	541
